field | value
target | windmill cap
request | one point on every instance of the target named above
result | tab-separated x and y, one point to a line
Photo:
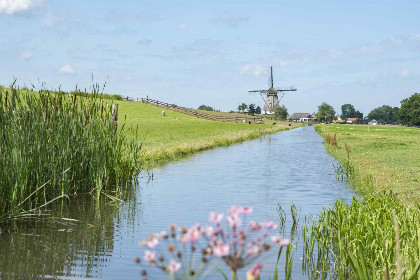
272	90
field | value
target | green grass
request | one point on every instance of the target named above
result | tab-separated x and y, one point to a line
176	135
381	158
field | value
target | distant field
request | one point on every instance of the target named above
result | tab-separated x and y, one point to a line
177	135
383	157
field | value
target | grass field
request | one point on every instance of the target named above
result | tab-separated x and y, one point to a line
177	135
380	158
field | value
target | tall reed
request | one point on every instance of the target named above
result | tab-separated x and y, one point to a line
374	237
55	144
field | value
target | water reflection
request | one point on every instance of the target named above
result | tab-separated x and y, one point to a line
58	246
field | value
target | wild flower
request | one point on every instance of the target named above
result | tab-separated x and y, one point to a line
191	253
254	272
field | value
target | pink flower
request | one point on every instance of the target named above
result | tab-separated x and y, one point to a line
174	266
152	243
216	218
221	250
255	270
271	225
162	234
285	243
245	210
253	250
234	210
192	235
234	221
255	226
209	231
280	242
149	256
276	240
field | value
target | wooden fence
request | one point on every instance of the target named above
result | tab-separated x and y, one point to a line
201	114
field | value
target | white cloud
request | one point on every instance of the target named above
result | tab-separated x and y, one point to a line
396	41
26	54
128	78
415	36
183	26
67	69
244	69
404	73
11	7
255	70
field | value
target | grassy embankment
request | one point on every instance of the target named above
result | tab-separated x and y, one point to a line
378	235
381	158
176	135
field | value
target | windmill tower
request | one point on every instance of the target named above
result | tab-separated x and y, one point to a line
272	94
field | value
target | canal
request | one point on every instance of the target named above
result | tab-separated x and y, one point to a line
99	240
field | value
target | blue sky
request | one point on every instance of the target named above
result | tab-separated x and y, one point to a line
211	52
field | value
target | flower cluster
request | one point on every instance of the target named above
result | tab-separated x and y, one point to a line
230	238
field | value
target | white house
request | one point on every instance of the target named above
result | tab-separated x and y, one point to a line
300	117
304	120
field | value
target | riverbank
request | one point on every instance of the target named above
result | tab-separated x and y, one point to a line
383	163
176	135
378	158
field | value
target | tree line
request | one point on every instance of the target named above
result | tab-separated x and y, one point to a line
407	114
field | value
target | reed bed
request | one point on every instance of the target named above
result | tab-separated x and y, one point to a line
53	145
374	237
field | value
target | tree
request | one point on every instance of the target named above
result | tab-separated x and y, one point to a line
280	112
242	107
205	108
347	111
258	110
325	113
384	114
409	113
251	109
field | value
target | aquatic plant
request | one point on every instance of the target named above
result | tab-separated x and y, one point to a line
53	145
374	237
192	253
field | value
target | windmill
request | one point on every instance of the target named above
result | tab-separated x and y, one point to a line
272	94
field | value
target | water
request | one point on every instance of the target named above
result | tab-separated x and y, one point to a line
102	242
